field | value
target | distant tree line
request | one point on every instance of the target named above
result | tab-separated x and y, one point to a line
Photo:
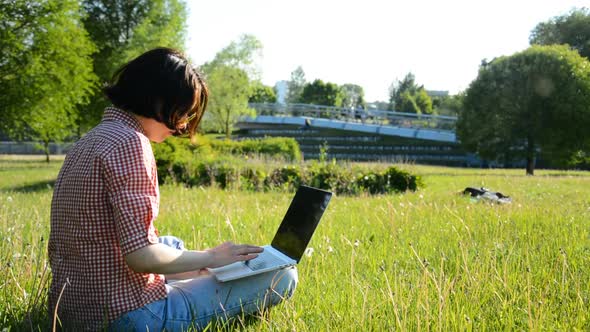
58	54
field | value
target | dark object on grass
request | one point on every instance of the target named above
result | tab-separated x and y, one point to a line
488	195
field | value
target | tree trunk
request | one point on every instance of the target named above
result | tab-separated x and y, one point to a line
530	166
530	157
46	149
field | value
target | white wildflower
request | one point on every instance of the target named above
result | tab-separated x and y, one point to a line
309	252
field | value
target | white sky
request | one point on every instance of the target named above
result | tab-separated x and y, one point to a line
371	42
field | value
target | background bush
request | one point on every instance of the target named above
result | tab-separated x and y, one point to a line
269	164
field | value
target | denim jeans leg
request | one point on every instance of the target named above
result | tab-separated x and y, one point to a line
147	318
197	302
171	241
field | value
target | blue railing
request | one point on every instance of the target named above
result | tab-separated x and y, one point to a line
370	116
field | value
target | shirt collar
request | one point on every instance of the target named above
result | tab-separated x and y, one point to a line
115	114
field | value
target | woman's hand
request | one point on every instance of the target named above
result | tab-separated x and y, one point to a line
229	252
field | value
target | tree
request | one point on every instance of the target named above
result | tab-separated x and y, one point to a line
320	93
572	29
407	103
124	29
229	98
423	101
397	89
407	96
533	103
241	54
260	93
46	69
353	96
295	86
228	76
449	105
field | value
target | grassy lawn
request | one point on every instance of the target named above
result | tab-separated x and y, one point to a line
427	260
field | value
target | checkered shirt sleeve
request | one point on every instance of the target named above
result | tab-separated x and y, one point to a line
131	179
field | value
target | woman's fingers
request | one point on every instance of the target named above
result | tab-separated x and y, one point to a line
229	252
246	249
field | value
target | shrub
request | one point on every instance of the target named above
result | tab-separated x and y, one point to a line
287	177
276	147
331	176
214	163
391	180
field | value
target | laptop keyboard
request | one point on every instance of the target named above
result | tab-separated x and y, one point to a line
265	261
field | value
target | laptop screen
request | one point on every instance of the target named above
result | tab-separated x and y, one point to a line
300	221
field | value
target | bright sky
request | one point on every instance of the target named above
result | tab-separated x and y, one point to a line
372	43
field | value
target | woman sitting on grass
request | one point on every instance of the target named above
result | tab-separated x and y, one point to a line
110	268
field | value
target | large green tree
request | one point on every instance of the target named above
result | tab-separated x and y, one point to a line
536	102
572	29
229	75
242	53
122	30
45	70
323	93
229	98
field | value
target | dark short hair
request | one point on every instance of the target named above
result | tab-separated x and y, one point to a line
160	84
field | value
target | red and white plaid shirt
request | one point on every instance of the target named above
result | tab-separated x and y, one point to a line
104	204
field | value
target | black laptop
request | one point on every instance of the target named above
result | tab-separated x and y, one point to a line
291	239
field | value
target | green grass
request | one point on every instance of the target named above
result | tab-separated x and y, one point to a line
429	260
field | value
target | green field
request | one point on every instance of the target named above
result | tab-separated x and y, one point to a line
427	260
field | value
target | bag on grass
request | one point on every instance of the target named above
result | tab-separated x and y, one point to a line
487	195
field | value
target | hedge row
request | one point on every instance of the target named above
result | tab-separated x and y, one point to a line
223	164
175	149
229	174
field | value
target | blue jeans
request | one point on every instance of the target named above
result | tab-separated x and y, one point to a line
197	302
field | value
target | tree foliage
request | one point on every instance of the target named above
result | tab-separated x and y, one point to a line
448	105
260	93
572	29
397	89
407	96
533	103
353	96
242	54
423	101
45	70
228	100
124	29
228	76
407	103
295	86
320	93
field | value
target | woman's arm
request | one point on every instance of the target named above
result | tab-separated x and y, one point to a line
162	259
